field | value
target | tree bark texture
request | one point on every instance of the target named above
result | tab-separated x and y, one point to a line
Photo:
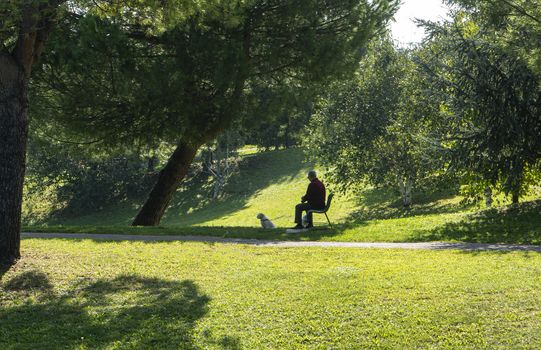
171	175
34	27
13	139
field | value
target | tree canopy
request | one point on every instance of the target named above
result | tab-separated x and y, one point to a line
377	127
113	78
491	96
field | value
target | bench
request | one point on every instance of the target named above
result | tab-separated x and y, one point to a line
324	210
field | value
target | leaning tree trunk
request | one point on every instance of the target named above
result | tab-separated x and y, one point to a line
13	138
179	163
174	171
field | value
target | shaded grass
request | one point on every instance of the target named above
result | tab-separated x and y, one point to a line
126	311
512	224
214	296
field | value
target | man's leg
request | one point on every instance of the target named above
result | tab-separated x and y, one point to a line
310	222
298	212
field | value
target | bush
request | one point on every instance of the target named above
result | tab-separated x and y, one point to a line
62	179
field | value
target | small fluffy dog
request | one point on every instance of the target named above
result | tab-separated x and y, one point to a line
265	222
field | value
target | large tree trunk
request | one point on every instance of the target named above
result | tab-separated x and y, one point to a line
13	138
174	171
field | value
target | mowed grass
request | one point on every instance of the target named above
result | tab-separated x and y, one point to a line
135	295
511	225
273	182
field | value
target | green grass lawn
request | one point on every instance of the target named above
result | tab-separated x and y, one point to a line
515	225
117	295
273	182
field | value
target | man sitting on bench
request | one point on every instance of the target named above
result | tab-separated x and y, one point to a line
314	199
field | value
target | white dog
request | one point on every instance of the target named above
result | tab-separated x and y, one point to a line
265	222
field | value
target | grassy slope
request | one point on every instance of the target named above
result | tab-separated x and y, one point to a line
273	182
87	295
270	182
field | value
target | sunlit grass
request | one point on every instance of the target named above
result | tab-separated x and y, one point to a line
84	294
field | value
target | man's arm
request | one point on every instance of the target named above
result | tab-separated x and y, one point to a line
309	191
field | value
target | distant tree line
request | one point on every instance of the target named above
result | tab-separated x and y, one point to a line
463	106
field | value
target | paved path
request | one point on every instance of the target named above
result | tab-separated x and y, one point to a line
288	244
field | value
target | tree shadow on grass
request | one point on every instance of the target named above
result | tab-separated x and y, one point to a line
127	311
518	224
383	204
29	282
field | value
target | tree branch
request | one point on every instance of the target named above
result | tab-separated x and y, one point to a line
520	10
35	27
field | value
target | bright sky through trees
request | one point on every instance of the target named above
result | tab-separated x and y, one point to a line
405	30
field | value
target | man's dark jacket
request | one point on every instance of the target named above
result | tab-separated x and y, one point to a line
315	194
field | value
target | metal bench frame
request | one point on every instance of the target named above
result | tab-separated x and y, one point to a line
324	211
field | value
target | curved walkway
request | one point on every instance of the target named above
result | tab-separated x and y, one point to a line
289	244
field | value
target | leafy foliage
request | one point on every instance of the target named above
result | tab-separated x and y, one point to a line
282	117
491	99
81	181
377	126
125	81
516	22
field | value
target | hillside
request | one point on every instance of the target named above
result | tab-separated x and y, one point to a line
269	182
272	183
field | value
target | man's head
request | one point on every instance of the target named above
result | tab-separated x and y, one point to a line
312	175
